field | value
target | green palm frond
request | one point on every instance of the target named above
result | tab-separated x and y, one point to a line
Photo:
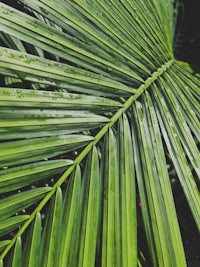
94	111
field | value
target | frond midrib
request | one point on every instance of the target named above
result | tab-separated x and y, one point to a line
155	75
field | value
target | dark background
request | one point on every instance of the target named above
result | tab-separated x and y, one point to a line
188	45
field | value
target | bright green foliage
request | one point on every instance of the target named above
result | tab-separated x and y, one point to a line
93	110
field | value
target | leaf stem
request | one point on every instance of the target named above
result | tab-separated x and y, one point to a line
88	148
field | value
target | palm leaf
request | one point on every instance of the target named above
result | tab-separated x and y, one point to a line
93	110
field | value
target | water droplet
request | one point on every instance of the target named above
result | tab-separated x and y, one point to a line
109	68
